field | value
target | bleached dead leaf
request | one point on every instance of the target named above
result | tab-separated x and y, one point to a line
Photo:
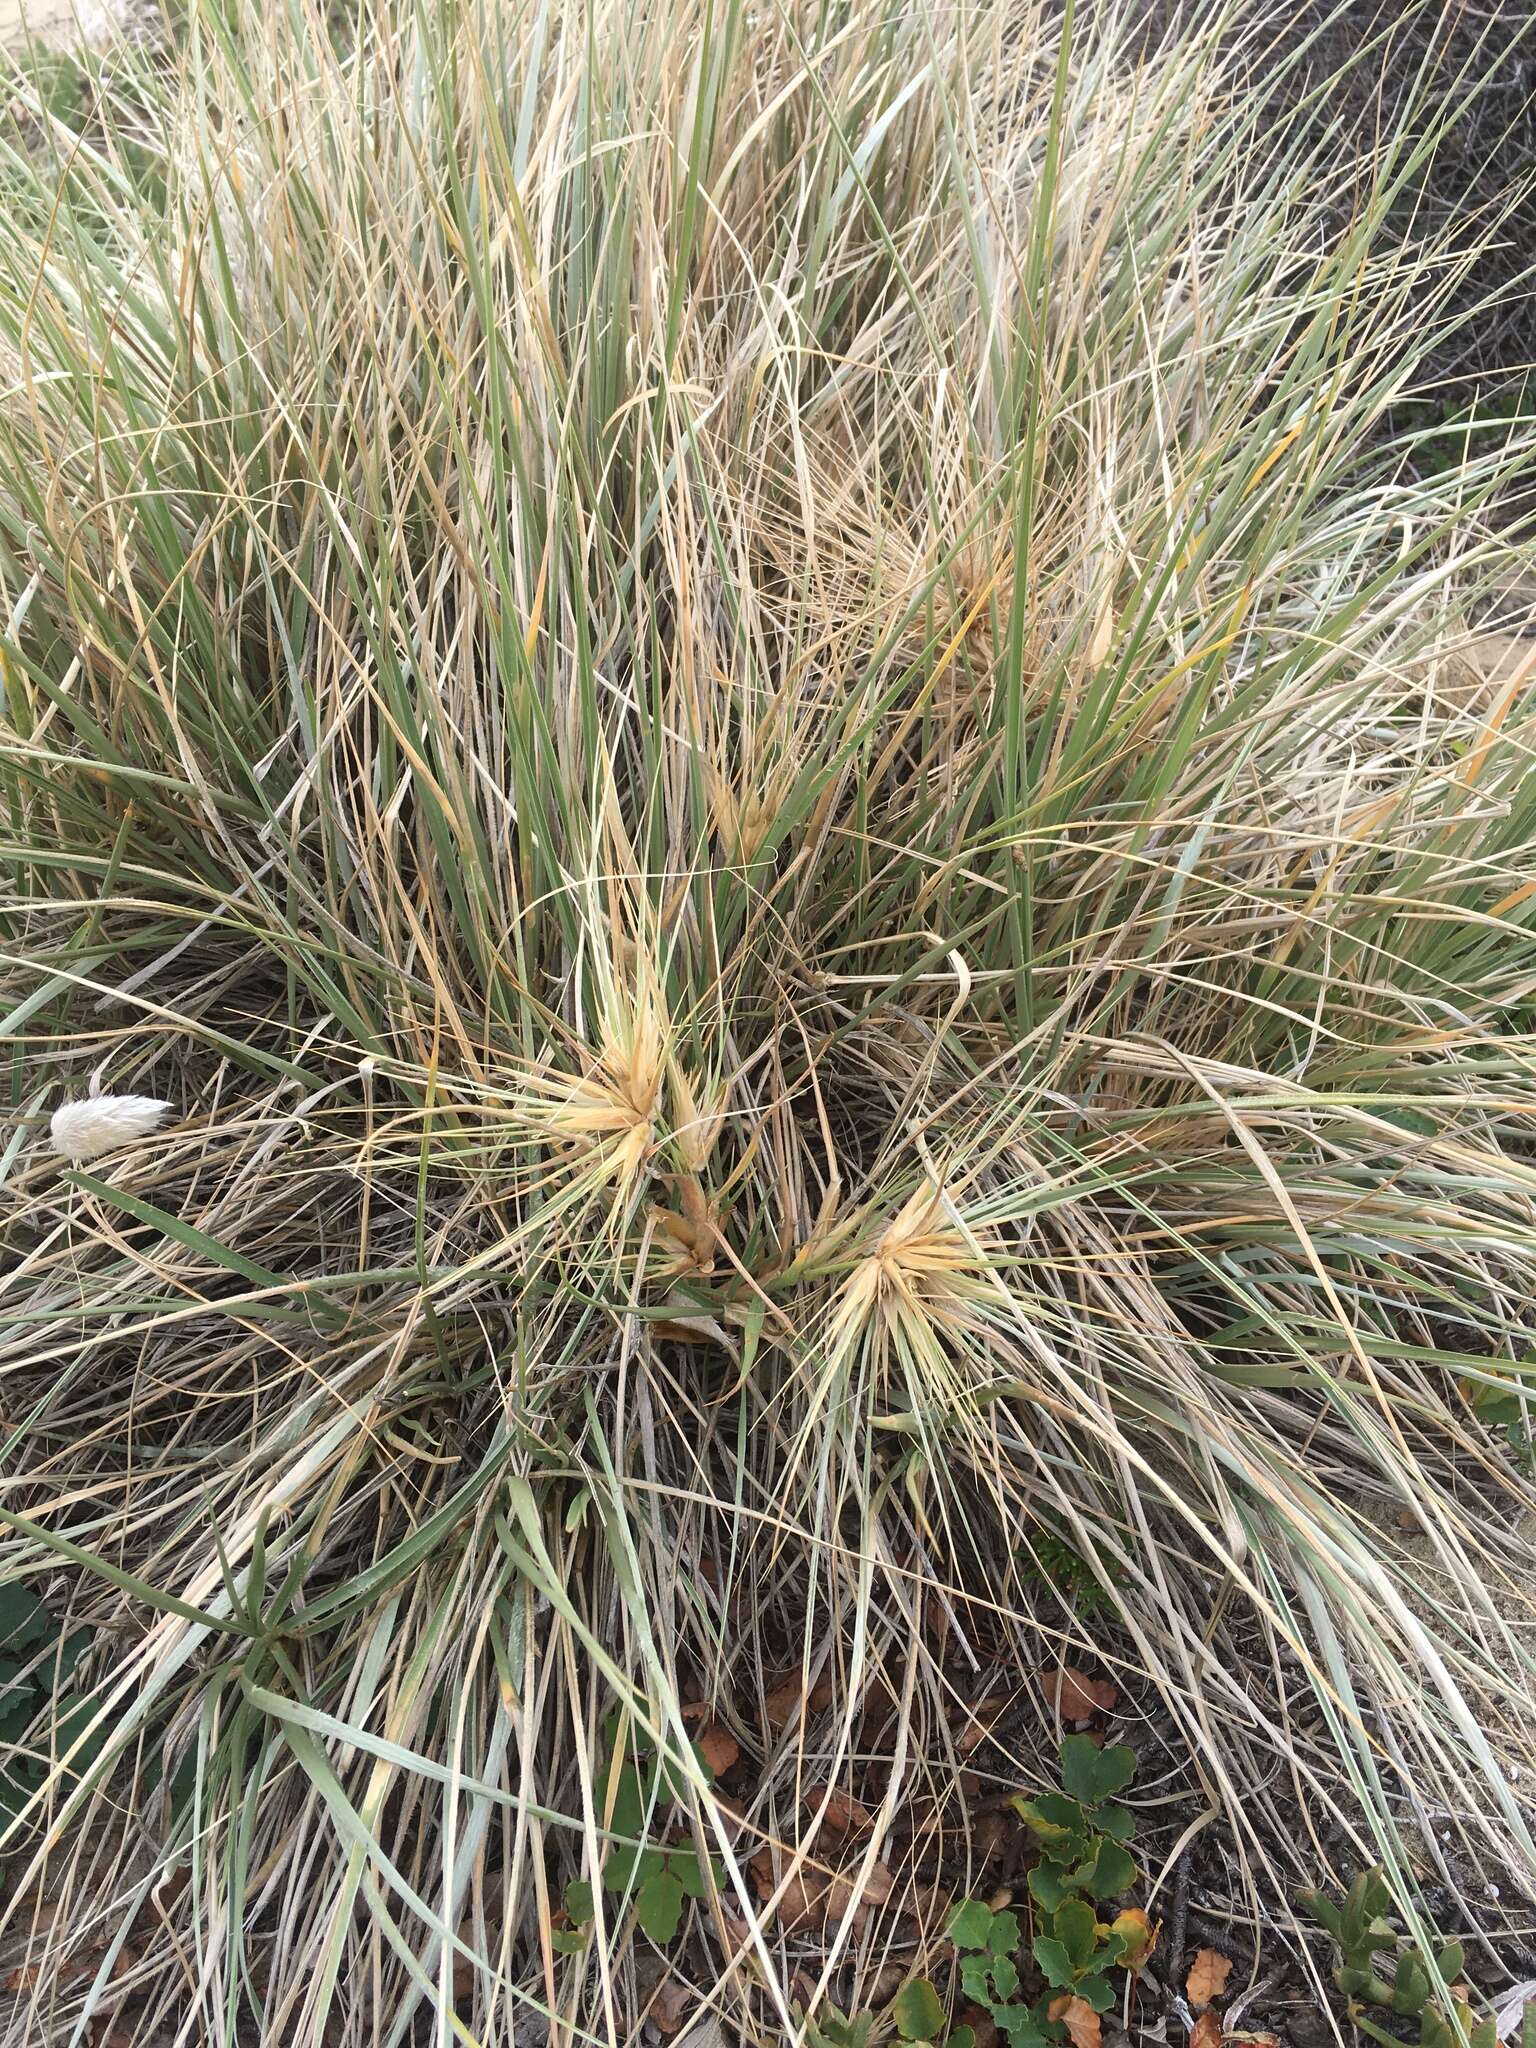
1075	1696
844	1814
1206	2032
672	2003
1084	2027
1208	1975
718	1747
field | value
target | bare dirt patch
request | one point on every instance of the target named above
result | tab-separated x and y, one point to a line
57	22
52	20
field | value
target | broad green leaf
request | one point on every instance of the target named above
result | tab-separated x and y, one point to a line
579	1900
576	1513
23	1617
1093	1775
1118	1822
1006	1934
1323	1910
632	1866
917	2011
1058	1824
16	1711
1113	1871
671	1778
1076	1926
630	1802
976	1977
1048	1886
71	1650
1410	1987
1363	1981
1020	2025
71	1725
1055	1964
970	1924
659	1906
1056	1810
1005	1976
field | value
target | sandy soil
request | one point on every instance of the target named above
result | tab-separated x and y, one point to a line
53	20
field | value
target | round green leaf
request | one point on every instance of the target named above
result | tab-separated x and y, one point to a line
970	1924
1092	1774
1005	1976
690	1873
1006	1934
976	1977
1056	1965
917	2011
23	1617
579	1901
1076	1926
659	1906
1114	1871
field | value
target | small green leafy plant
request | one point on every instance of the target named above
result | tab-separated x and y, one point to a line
660	1878
1076	1580
1081	1835
834	2028
915	2011
1440	427
989	1973
37	1662
1379	1968
1508	1406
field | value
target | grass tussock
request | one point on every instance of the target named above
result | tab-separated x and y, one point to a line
745	711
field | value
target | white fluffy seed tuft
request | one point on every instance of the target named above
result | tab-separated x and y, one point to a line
100	1123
